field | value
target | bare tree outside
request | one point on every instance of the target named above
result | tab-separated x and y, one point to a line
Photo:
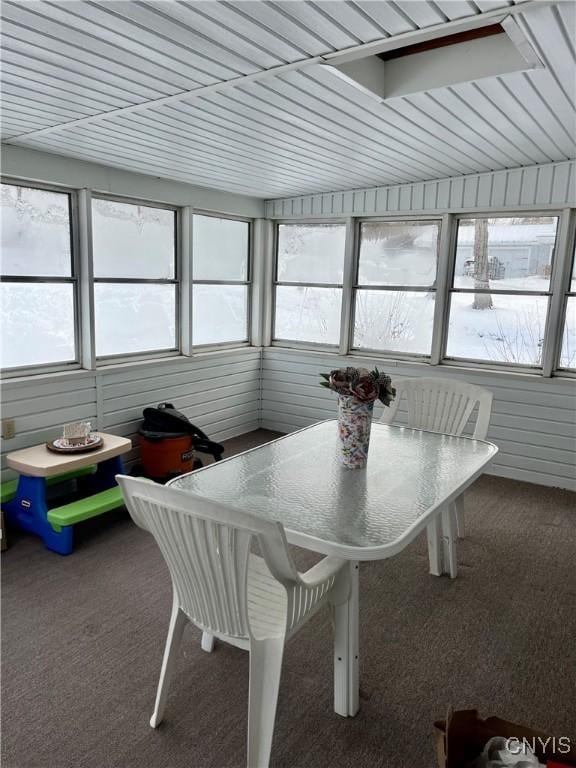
481	266
399	237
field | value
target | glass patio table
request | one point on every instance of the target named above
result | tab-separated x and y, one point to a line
410	480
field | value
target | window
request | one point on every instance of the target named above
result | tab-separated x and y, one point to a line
135	278
501	289
568	350
395	294
220	275
309	276
38	291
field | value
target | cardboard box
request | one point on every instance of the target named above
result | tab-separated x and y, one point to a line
460	739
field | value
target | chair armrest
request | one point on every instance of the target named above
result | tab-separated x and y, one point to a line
328	580
322	571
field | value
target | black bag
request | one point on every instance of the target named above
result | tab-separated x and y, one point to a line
165	421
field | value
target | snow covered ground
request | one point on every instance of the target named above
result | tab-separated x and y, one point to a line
129	242
38	319
512	331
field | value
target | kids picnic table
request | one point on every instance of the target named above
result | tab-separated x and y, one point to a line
24	501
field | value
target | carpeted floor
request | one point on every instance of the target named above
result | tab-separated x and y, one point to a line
83	638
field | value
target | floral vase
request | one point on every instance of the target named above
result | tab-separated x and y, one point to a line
354	423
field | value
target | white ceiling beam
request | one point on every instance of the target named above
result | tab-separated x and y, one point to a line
338	57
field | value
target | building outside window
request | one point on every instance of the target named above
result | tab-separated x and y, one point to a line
498	298
501	289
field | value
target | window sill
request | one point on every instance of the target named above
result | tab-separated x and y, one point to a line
41	377
420	364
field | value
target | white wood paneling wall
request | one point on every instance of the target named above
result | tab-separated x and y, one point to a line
533	418
230	393
530	188
40	406
220	392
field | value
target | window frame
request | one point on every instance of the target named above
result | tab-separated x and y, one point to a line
152	354
356	286
556	264
73	279
82	280
247	283
566	291
295	343
554	324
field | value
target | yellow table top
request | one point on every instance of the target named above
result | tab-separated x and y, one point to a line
38	461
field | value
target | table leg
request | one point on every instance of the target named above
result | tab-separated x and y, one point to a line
346	650
435	558
449	538
442	535
29	511
105	475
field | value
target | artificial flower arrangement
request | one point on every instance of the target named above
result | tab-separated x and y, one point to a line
366	386
357	390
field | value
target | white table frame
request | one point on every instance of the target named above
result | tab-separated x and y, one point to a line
440	525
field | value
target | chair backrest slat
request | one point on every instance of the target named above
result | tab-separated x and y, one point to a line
206	547
442	405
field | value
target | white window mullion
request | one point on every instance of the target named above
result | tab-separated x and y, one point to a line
559	286
446	255
350	261
262	283
185	267
86	281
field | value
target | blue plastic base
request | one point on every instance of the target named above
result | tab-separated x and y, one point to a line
29	509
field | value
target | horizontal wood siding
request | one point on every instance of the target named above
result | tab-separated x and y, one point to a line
540	186
39	409
228	393
533	419
220	392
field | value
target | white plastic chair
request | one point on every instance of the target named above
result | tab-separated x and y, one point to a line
255	603
443	405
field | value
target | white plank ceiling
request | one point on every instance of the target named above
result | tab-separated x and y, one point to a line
109	81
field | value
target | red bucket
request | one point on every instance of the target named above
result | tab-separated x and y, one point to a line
168	457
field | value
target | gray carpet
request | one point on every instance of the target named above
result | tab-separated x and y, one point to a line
83	638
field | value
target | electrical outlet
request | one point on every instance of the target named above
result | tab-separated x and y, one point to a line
8	429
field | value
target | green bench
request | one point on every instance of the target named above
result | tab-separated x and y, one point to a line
75	511
84	509
8	489
25	502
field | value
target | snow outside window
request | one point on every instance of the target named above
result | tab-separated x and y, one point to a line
135	280
309	275
220	276
38	290
395	292
501	289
